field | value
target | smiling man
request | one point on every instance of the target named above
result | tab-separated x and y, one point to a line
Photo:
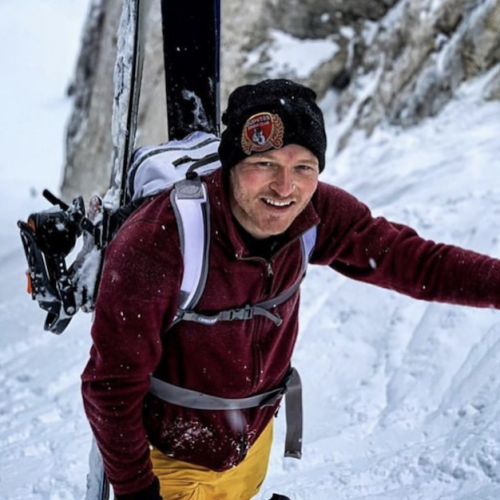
274	146
268	190
228	363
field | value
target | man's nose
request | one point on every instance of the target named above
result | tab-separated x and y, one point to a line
282	183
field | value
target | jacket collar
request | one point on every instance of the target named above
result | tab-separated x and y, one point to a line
223	220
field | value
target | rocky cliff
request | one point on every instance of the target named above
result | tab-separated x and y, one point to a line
383	61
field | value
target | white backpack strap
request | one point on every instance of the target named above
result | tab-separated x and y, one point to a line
190	202
265	308
308	240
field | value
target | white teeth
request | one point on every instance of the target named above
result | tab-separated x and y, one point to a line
277	203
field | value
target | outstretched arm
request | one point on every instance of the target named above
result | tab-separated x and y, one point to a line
394	256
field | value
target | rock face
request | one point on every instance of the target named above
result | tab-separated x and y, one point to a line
416	59
385	61
88	140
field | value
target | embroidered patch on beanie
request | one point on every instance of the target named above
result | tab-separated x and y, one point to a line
262	132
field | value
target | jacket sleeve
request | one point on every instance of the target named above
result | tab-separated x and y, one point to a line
394	256
137	300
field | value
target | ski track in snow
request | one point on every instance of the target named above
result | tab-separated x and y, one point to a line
402	398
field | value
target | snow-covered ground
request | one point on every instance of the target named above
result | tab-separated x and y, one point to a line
44	438
402	398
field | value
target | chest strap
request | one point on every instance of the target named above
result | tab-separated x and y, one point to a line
291	387
244	313
264	308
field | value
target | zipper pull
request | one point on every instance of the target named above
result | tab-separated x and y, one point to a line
270	272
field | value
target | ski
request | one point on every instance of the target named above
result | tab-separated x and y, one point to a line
98	487
191	48
127	88
191	43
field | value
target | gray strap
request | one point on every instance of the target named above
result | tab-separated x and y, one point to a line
247	312
272	303
307	243
294	416
292	388
200	401
244	313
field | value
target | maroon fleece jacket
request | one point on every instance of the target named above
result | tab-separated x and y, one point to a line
139	295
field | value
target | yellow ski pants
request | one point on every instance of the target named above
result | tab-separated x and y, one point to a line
185	481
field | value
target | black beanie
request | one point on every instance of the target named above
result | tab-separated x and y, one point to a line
271	114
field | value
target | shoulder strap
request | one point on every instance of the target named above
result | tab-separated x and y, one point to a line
192	211
308	240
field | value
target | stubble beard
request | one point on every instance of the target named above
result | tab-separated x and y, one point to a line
257	220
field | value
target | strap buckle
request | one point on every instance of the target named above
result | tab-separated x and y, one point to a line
243	313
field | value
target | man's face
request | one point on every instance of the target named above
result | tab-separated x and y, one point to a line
268	190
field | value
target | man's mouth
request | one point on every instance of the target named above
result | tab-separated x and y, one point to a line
276	203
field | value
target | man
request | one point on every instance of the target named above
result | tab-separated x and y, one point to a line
263	199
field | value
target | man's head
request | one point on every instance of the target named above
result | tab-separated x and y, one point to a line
272	150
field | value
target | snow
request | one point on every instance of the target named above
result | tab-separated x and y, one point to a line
402	398
44	438
292	56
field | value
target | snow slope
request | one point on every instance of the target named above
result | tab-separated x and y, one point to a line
44	438
402	398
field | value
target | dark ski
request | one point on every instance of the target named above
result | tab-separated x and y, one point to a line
191	47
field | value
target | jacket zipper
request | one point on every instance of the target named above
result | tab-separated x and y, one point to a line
269	284
257	365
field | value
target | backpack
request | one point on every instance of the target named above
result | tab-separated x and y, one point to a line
191	157
197	154
49	236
